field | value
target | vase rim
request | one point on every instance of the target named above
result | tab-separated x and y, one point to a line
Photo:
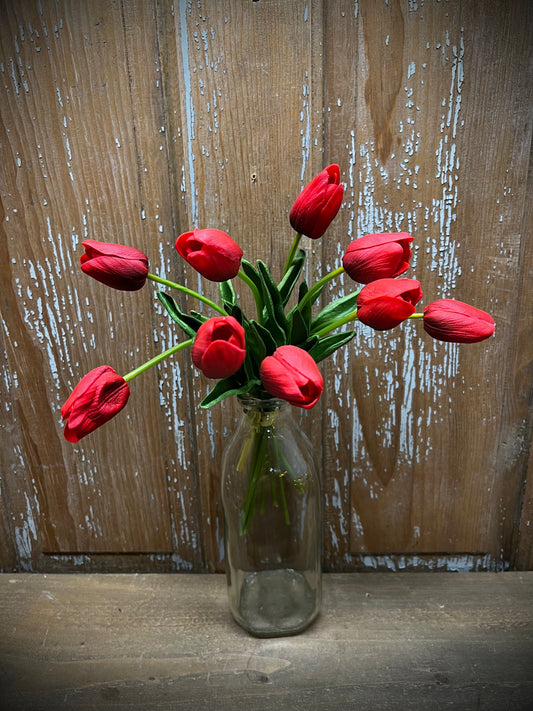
262	403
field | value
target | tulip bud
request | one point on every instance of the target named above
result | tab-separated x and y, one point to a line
95	400
292	375
378	256
114	265
219	347
318	203
212	253
455	321
385	303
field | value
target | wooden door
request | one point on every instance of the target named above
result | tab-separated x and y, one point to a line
134	121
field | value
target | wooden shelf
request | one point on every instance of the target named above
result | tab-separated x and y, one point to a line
166	641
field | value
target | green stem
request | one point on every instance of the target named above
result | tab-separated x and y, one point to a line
320	283
255	292
351	317
157	359
284	500
256	466
338	323
190	292
292	252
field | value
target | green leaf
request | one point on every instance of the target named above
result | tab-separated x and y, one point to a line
334	311
266	337
308	344
299	329
275	318
189	323
252	274
226	388
237	313
306	308
227	296
259	344
251	369
288	282
271	287
255	345
198	316
329	344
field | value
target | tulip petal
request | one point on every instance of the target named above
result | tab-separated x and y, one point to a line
221	359
385	303
96	399
367	265
115	265
213	253
292	375
96	249
318	203
378	256
219	348
116	273
385	313
454	321
85	384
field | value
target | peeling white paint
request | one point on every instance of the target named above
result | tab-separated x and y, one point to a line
451	563
417	370
305	131
338	503
189	109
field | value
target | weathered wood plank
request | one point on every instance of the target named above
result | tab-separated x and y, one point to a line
72	173
244	87
405	472
522	366
494	239
166	641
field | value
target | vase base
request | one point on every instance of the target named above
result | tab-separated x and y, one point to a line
276	603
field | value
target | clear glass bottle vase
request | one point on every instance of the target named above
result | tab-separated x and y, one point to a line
272	521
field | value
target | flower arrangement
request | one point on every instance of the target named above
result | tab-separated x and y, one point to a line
276	353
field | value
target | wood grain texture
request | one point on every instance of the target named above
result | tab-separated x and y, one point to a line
71	142
405	641
424	424
134	121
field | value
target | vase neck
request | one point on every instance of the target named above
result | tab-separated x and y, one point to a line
271	404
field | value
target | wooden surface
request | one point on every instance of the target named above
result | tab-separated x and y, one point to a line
134	120
383	641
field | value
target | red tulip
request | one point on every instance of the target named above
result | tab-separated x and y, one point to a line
455	321
219	347
96	399
114	265
378	256
292	375
318	203
385	303
212	253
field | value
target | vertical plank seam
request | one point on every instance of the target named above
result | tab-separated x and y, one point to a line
518	554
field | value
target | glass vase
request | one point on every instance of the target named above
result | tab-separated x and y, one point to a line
272	521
